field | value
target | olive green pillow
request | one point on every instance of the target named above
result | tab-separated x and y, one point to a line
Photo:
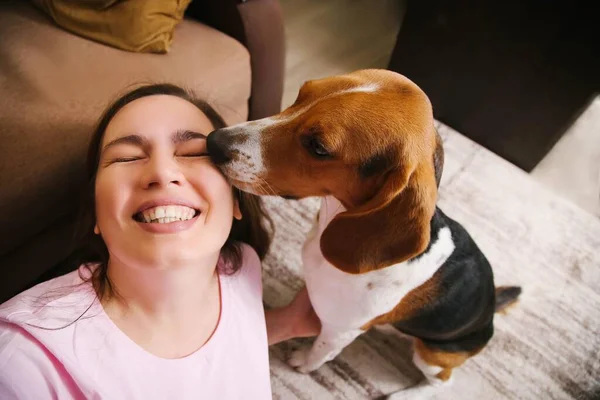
144	26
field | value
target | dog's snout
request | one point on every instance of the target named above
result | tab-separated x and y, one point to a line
236	153
218	148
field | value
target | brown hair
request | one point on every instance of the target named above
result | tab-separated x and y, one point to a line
251	229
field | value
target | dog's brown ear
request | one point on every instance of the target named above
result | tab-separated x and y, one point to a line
438	158
392	227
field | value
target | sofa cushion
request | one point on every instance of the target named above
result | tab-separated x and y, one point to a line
54	85
134	25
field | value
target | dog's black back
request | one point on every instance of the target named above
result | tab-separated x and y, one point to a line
460	317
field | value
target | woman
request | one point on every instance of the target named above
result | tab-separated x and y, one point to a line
169	302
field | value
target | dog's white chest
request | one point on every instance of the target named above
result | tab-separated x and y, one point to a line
350	301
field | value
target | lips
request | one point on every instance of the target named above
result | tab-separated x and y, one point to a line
166	214
165	211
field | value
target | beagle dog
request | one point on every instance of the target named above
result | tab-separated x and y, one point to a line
380	251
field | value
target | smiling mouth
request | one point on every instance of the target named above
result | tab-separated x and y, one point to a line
166	214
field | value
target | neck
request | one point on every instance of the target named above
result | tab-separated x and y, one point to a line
162	293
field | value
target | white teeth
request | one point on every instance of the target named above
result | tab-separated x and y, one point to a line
167	214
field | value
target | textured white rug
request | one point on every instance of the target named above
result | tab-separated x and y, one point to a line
547	347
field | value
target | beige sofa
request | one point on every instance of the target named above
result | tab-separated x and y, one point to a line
54	84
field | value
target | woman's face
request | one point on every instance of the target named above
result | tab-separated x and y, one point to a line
159	200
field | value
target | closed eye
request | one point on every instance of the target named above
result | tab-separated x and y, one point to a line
200	154
192	148
126	159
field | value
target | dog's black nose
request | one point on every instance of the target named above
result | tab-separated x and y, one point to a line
216	144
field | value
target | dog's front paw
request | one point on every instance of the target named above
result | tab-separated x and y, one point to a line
437	382
298	359
423	390
301	361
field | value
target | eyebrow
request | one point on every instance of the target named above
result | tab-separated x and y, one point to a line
186	135
177	137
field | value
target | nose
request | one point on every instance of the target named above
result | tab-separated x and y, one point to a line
161	171
217	145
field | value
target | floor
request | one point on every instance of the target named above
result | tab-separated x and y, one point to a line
572	168
336	36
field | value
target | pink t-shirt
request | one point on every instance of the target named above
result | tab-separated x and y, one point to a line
93	359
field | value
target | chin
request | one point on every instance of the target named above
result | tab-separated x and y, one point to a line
170	259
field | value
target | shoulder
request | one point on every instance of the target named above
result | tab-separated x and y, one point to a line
35	325
55	299
30	369
250	272
23	360
14	343
251	264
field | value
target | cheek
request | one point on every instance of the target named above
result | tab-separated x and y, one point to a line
111	193
215	189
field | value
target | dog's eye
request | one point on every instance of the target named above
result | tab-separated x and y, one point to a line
315	148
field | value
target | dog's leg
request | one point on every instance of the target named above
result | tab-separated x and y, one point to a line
421	391
437	365
327	346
